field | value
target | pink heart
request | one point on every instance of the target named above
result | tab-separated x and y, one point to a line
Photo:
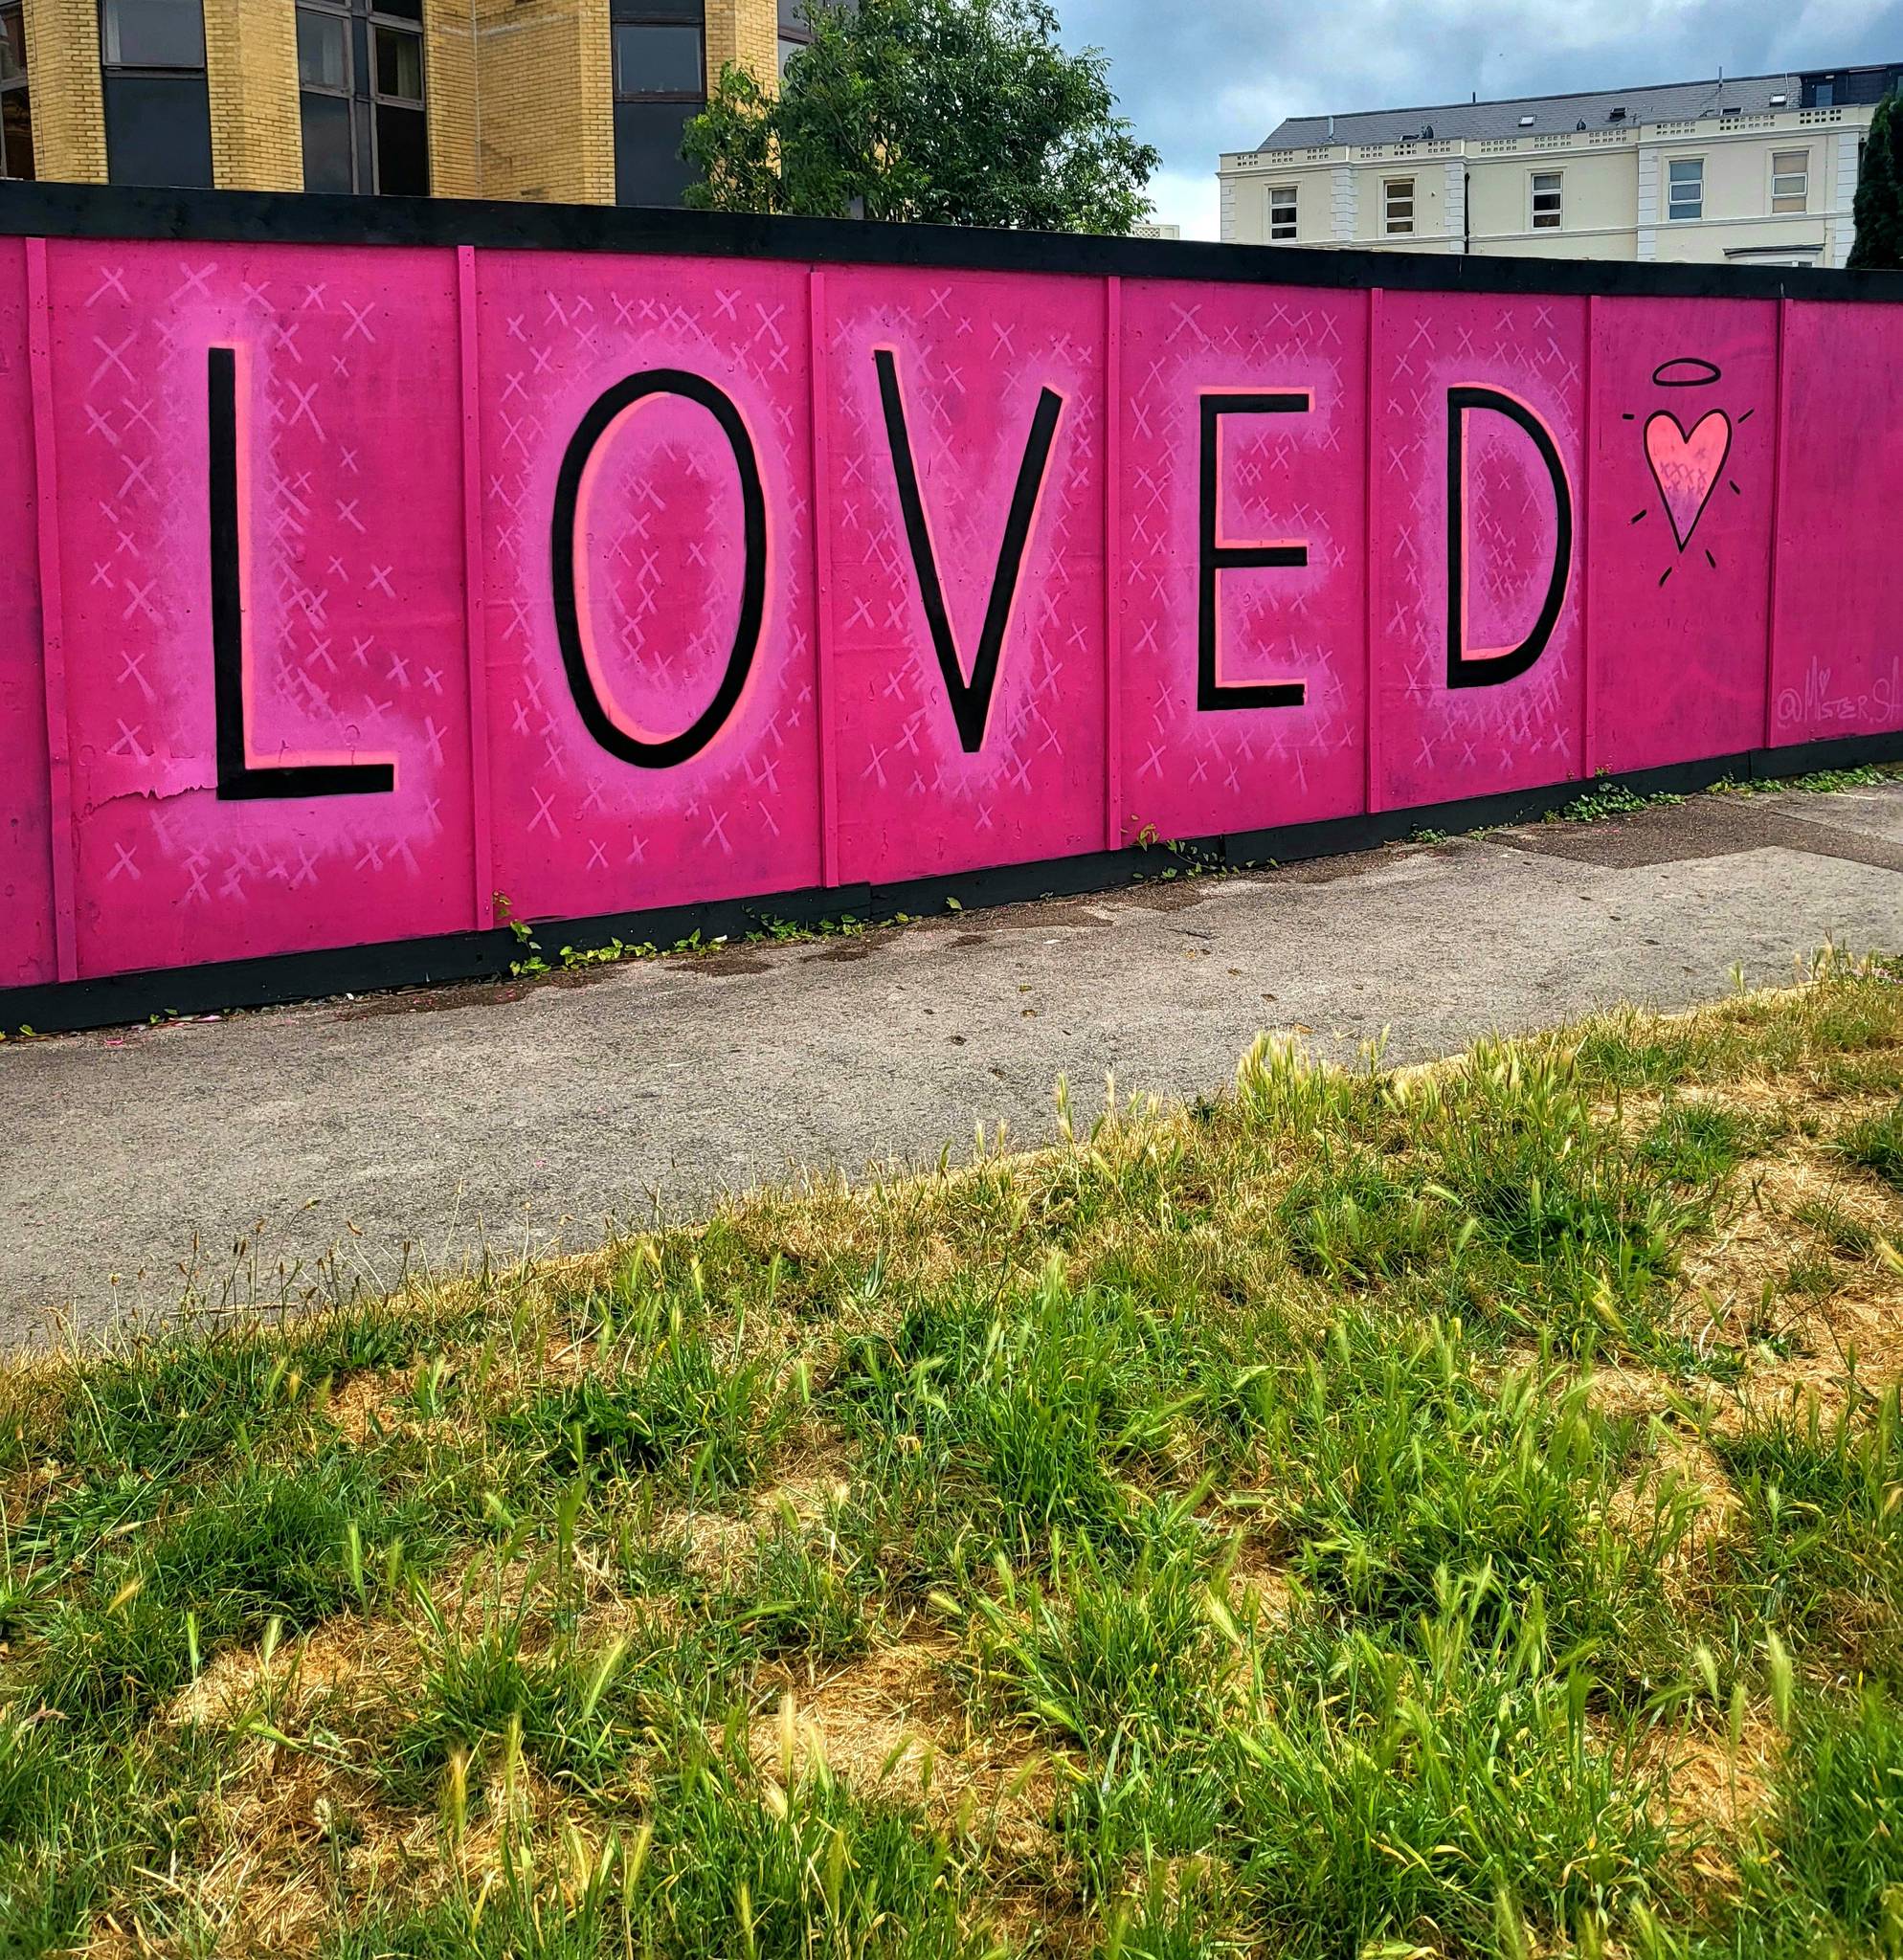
1686	467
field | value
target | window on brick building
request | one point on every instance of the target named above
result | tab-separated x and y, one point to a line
793	32
16	121
661	85
158	110
361	97
660	60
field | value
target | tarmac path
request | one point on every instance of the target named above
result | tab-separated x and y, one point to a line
329	1141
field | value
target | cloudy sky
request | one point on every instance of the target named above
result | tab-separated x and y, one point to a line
1197	77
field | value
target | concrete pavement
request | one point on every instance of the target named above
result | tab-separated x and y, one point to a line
306	1148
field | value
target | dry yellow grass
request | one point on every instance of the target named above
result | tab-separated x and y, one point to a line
1783	1286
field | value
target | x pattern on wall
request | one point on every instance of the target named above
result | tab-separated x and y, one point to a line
582	583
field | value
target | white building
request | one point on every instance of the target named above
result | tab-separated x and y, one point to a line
1758	169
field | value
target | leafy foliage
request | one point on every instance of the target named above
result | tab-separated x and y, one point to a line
945	112
1879	200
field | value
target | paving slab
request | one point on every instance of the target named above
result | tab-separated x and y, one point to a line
301	1150
1860	813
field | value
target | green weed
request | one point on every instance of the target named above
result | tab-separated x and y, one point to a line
680	1411
261	1544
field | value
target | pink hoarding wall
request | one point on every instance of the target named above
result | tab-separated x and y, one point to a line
366	594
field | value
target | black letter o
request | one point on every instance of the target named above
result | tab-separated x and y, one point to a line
594	425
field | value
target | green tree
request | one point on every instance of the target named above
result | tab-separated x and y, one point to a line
1879	205
947	111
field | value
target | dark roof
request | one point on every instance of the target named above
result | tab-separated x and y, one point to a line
1677	101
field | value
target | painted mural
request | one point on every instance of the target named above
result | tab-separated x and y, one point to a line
356	595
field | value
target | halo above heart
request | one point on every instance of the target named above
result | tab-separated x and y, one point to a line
1686	372
1686	463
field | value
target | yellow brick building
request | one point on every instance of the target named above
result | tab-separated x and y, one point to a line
575	102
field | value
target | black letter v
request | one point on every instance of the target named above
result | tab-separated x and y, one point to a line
970	699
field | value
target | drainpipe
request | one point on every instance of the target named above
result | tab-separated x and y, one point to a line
476	89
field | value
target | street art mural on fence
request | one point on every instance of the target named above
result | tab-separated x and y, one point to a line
354	594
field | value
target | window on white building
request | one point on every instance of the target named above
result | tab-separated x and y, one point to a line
1397	206
1281	211
1685	193
1790	180
1546	205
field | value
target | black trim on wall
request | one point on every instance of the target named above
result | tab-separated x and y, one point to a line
459	958
261	217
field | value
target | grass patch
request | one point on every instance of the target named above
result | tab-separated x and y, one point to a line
1877	1145
1819	1541
1451	1780
1823	1872
1412	1467
1351	1515
732	1862
575	1707
143	1613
